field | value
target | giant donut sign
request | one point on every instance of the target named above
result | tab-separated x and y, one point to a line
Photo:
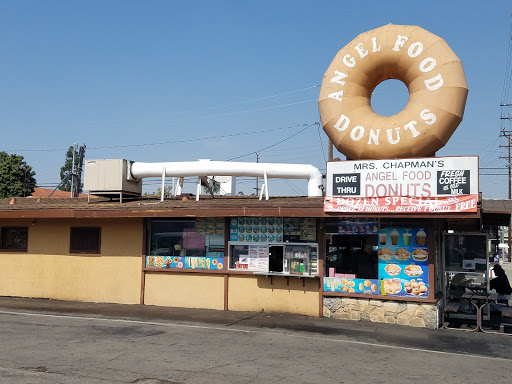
424	63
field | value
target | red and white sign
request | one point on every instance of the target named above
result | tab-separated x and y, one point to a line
400	204
423	185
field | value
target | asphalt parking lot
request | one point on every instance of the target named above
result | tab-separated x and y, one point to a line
47	341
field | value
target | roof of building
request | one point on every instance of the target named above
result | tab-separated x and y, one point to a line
497	206
207	206
57	194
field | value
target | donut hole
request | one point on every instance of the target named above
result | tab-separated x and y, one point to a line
389	97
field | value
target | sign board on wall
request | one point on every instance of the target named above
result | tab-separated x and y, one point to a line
434	184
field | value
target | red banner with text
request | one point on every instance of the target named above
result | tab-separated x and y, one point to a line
401	204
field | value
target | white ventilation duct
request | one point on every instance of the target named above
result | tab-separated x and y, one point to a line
226	168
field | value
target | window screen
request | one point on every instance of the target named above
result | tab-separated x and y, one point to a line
14	238
85	240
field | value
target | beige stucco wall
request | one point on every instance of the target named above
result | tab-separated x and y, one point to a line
276	294
48	270
188	290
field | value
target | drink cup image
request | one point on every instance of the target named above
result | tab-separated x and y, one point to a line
421	237
407	238
394	237
383	238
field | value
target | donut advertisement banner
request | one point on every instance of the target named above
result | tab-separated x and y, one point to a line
212	261
441	184
428	67
403	262
349	285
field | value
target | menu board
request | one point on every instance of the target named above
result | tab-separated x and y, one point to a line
210	225
336	284
256	229
299	228
403	262
212	261
364	227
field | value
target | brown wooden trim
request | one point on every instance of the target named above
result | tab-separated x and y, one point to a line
226	292
50	213
320	237
143	263
226	243
143	280
144	236
223	272
226	261
212	212
176	270
432	250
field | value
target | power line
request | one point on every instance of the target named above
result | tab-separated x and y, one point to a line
163	142
321	143
273	145
252	100
257	109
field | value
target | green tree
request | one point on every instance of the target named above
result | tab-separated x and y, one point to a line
167	191
212	186
16	176
67	169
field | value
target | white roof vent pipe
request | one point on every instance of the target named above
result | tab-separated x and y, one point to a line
227	168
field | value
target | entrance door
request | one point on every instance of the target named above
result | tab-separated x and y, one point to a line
275	255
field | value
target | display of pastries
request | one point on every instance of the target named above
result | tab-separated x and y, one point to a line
420	254
413	270
402	254
392	286
393	269
385	254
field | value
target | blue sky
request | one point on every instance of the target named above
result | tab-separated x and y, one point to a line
181	81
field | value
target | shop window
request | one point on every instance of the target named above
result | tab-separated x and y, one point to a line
286	258
353	256
277	245
186	244
379	258
85	240
14	238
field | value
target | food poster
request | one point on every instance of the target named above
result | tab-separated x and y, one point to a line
363	227
403	261
202	262
165	262
256	229
187	262
336	284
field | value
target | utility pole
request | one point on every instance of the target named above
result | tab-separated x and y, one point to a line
508	133
78	171
73	171
257	188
